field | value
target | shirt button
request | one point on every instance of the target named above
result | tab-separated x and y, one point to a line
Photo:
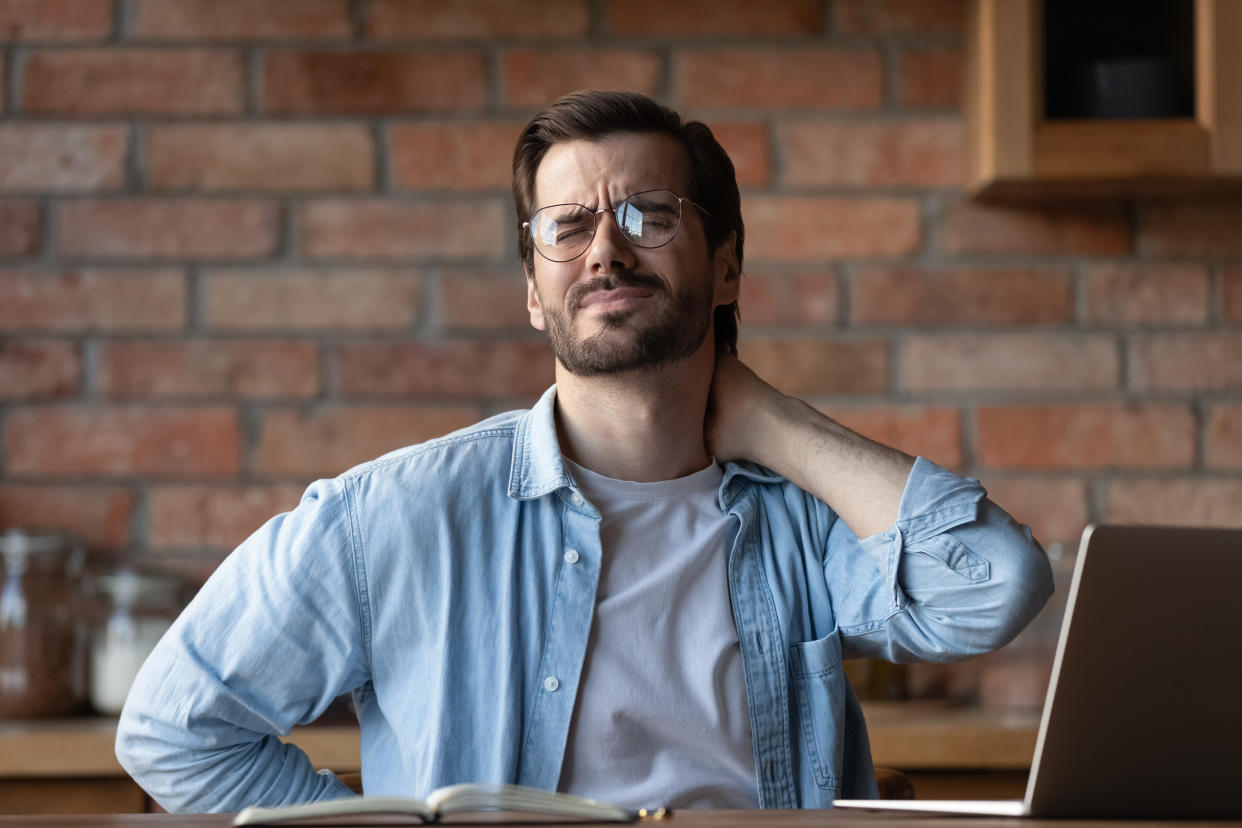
578	501
571	556
551	684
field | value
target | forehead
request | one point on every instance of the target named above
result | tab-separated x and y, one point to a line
584	171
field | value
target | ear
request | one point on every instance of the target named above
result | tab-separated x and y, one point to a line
726	274
532	303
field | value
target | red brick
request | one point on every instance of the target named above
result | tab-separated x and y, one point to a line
55	20
1004	296
21	229
886	17
1054	508
485	19
1224	436
750	149
934	433
133	81
818	78
305	300
816	366
92	300
931	78
203	368
689	18
452	369
794	229
277	157
1231	293
329	440
1186	228
789	299
453	155
1139	293
535	77
168	229
1186	362
62	159
1180	502
969	227
377	229
240	19
373	82
906	153
217	517
157	442
482	300
1012	362
1087	436
99	516
32	368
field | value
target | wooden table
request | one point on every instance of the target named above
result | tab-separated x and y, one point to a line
681	819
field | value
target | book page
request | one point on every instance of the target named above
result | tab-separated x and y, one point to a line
490	797
331	808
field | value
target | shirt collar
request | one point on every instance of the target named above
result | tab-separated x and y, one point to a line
536	467
736	472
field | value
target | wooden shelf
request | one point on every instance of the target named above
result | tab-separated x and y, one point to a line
1015	154
903	735
68	765
85	747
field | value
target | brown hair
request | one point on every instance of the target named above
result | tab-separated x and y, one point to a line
593	114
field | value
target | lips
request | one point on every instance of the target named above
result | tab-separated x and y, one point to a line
614	296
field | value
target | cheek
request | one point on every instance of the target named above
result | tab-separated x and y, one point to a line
553	283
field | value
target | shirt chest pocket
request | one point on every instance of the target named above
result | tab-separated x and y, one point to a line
819	684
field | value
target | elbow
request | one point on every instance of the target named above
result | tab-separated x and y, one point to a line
149	750
1022	587
138	752
1017	588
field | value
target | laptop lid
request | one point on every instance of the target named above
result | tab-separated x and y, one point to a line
1144	708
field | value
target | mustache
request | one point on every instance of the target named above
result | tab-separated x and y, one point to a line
612	281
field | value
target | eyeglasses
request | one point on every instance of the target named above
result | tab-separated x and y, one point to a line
562	232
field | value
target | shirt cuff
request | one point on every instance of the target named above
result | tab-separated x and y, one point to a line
934	501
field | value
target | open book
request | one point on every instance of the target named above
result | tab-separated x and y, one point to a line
450	800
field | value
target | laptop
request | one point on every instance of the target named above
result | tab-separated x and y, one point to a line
1143	716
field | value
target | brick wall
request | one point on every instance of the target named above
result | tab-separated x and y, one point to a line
245	243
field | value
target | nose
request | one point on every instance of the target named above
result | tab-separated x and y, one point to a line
610	251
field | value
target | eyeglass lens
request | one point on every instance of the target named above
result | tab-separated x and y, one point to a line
564	231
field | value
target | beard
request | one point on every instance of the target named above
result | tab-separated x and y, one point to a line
681	324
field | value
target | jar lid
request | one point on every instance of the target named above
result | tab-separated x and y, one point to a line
127	586
22	549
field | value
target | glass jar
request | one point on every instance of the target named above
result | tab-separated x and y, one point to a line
139	610
42	652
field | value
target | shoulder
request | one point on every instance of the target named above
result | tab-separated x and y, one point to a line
486	444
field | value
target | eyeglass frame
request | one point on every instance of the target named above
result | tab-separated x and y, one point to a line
528	224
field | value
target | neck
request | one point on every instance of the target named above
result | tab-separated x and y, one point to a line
642	425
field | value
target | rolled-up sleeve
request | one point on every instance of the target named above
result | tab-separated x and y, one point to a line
273	636
955	576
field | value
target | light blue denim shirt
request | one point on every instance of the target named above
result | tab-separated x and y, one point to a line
433	584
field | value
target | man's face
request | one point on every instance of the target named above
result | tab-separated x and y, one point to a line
619	307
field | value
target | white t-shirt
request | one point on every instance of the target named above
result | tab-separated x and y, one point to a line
661	716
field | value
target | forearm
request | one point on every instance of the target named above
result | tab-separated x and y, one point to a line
860	479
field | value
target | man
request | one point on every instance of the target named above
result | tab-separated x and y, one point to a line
640	590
